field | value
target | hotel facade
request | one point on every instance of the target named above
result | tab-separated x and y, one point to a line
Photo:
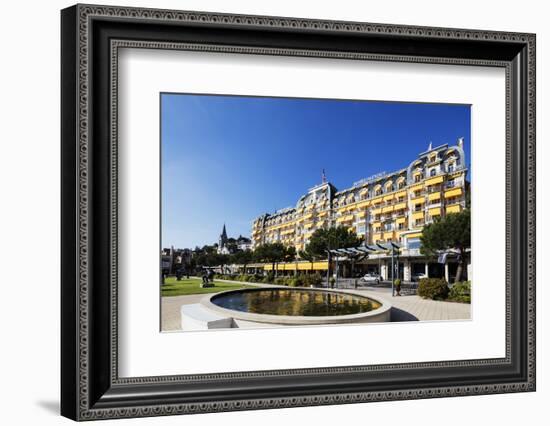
387	207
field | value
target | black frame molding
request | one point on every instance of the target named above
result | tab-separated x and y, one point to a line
91	37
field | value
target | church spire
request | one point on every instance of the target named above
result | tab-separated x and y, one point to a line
223	235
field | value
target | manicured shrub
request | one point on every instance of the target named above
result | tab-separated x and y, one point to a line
268	279
433	288
397	285
299	281
312	280
280	281
461	292
293	282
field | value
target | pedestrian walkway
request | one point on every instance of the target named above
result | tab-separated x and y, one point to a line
404	308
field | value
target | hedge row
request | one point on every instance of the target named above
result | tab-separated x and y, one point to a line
461	292
437	289
294	281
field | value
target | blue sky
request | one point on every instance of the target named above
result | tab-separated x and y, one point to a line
228	159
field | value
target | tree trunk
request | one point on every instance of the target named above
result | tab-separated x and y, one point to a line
460	267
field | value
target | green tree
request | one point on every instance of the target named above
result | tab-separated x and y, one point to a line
290	254
331	239
323	240
307	255
243	258
451	232
271	253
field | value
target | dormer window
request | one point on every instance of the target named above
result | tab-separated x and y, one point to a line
433	172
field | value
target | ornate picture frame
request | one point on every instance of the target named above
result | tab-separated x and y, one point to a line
90	39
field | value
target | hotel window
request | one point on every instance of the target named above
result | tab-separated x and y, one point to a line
401	185
417	207
418	178
413	243
401	199
433	172
419	222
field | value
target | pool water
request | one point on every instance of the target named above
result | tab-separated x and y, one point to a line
294	302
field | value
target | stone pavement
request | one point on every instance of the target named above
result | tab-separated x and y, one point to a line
404	308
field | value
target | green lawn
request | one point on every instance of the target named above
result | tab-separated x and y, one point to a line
173	287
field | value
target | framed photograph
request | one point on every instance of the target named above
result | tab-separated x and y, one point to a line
263	212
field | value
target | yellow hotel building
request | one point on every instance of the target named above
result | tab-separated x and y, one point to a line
386	207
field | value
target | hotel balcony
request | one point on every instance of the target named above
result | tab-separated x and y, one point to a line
454	208
418	200
454	192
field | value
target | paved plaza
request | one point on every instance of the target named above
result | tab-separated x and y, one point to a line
404	308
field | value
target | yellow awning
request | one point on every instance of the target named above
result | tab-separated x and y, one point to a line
453	193
434	196
361	214
388	235
416	188
388	197
376	211
401	194
363	204
308	225
453	209
400	220
415	235
377	236
322	214
418	215
287	232
376	224
268	267
400	206
434	181
302	266
320	266
307	216
376	200
435	211
419	200
346	218
387	209
320	223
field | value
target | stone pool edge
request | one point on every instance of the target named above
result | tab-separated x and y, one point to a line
381	314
